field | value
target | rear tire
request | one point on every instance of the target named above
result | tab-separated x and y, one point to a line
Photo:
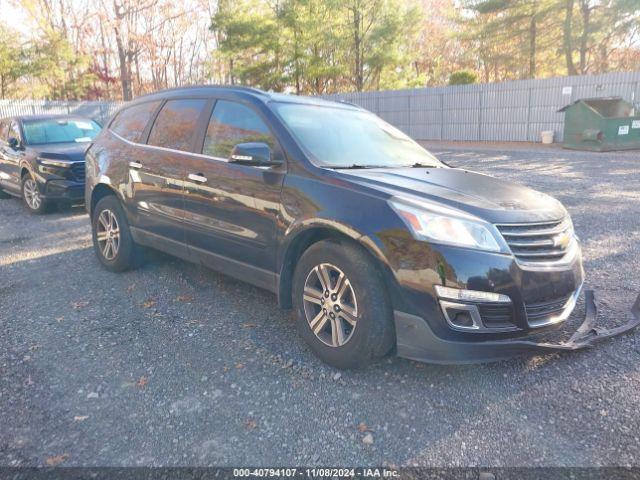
349	325
112	239
32	197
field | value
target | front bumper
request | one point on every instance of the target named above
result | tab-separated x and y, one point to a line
63	190
416	340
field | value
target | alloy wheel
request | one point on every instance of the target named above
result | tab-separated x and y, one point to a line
32	194
108	234
330	305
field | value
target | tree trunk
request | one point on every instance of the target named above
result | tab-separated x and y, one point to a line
125	74
532	46
567	40
584	38
357	44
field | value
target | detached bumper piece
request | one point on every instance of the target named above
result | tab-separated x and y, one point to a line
416	341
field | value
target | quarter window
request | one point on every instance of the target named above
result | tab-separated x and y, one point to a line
176	124
233	123
130	123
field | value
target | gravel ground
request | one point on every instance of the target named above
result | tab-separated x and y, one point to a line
176	365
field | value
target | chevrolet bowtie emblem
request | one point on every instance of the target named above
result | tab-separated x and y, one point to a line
562	240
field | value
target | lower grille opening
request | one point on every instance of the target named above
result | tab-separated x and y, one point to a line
541	313
496	316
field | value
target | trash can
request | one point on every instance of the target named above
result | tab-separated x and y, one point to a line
601	124
546	137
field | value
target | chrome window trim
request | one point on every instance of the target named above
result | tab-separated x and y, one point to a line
170	150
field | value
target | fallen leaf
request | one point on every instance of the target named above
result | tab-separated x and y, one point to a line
131	287
142	382
56	459
79	305
184	298
250	424
59	319
149	302
239	365
249	325
80	418
362	427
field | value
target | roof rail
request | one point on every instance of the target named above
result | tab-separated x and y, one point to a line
190	87
348	103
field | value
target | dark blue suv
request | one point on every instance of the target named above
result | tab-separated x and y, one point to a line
42	158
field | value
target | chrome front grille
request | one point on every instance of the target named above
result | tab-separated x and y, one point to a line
541	242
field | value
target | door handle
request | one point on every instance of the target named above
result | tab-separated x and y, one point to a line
135	165
197	177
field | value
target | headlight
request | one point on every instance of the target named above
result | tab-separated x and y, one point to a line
443	225
54	163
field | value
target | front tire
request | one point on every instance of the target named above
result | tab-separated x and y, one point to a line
32	197
342	308
112	240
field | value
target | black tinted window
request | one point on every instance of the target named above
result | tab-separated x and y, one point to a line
14	131
130	123
232	123
4	130
176	124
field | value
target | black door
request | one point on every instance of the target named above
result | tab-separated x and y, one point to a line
157	169
9	157
231	209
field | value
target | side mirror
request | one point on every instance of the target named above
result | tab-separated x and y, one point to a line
14	143
253	153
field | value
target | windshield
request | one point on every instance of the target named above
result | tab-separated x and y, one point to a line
40	132
342	138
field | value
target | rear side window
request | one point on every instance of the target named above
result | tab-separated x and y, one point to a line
14	131
130	123
176	123
232	123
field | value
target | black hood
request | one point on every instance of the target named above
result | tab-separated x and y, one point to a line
492	199
62	151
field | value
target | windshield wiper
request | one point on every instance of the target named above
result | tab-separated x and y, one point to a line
355	166
422	165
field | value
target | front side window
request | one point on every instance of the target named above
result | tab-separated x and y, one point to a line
62	130
176	124
342	137
233	123
131	122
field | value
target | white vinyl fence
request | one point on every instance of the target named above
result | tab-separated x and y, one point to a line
99	111
509	111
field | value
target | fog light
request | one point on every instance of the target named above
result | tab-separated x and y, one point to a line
470	295
460	316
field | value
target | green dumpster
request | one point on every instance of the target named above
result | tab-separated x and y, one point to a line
601	124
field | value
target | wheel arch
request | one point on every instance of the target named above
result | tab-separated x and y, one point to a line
307	237
100	191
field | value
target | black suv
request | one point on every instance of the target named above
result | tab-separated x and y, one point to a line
42	158
374	242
